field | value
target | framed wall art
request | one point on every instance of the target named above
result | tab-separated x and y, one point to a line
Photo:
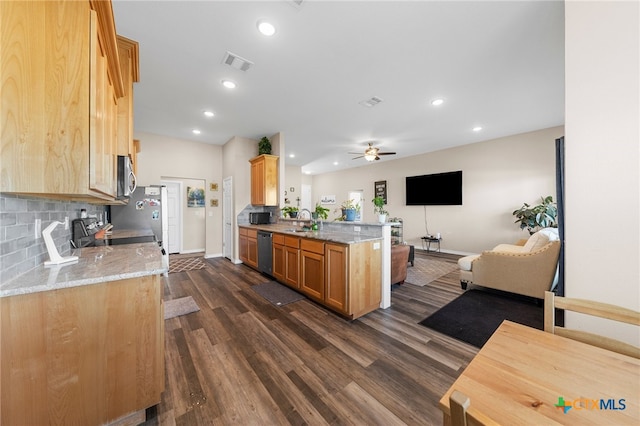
195	197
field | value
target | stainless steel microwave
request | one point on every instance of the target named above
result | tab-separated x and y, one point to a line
126	177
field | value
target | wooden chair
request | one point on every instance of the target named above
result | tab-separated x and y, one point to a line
599	309
459	405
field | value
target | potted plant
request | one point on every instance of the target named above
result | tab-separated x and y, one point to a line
349	209
544	215
321	212
264	146
378	208
290	211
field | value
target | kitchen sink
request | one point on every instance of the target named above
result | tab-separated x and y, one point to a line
297	230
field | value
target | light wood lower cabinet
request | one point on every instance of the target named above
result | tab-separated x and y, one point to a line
336	260
292	261
278	257
312	268
248	246
82	355
343	277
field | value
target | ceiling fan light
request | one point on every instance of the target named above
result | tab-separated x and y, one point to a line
370	156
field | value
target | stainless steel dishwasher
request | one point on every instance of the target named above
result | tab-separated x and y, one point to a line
265	255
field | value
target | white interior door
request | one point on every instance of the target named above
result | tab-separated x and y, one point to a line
305	197
174	215
227	213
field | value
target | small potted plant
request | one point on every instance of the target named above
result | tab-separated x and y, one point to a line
349	210
544	215
321	212
378	208
264	146
290	211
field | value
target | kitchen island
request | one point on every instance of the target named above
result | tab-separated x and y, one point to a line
335	267
83	342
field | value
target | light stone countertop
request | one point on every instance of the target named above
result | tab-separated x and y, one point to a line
343	237
94	265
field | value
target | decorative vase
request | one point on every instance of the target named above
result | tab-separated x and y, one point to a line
293	215
349	214
382	218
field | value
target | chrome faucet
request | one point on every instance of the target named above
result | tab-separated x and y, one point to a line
302	211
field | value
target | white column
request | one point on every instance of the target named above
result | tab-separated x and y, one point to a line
385	301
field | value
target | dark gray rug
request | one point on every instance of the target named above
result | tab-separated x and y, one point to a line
476	314
276	293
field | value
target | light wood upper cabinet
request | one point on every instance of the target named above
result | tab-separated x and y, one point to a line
264	180
128	55
60	86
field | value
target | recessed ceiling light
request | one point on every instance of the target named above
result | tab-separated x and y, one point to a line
437	102
292	155
477	129
229	84
335	163
307	172
196	131
209	114
266	28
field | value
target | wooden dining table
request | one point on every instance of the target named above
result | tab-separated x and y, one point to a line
525	376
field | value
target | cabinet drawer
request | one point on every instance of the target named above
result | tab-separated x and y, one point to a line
252	233
312	246
243	231
278	239
292	242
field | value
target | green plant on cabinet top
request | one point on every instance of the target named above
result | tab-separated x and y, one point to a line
264	146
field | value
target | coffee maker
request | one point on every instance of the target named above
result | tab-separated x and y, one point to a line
83	231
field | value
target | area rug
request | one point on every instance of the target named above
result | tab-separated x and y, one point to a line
425	270
181	306
183	264
277	294
476	314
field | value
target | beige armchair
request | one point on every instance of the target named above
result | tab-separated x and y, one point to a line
527	268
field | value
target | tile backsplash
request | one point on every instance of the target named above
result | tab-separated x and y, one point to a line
20	250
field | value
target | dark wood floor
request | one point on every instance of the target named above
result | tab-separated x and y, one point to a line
241	360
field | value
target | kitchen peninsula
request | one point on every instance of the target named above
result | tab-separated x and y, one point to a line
339	266
83	343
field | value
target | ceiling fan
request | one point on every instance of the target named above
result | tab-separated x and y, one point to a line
371	153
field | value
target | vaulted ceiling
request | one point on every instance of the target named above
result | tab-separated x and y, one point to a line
498	65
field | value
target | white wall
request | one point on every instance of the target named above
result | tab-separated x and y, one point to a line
603	158
498	176
164	157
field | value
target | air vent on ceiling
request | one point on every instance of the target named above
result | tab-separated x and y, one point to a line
371	102
236	61
296	3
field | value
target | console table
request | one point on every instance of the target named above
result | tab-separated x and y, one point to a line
427	240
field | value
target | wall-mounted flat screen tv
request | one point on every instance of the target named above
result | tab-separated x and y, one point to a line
438	189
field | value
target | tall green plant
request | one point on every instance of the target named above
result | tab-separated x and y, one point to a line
543	215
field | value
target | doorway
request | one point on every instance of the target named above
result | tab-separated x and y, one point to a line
357	197
227	218
174	215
